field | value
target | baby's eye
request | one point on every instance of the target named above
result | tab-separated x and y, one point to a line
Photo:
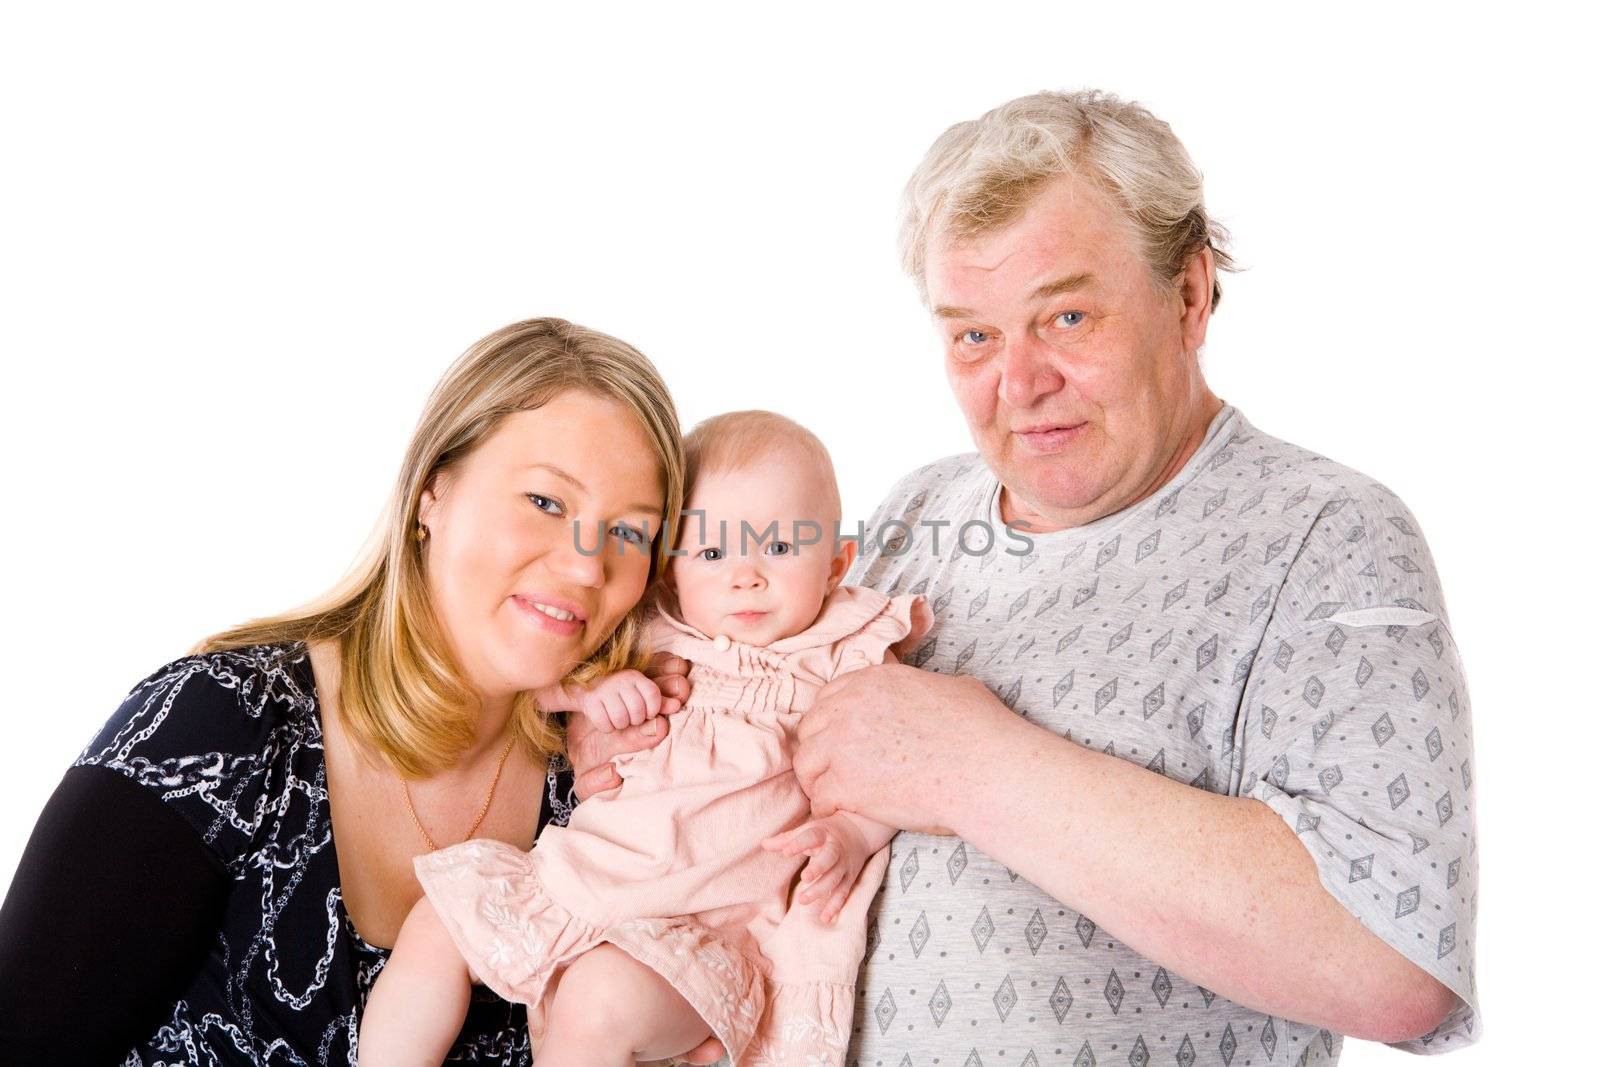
548	505
1069	318
630	534
710	555
780	548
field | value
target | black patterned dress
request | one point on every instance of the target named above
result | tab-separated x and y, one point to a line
179	902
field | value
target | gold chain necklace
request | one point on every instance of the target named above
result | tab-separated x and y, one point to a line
405	791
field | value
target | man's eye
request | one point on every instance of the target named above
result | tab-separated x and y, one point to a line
711	555
548	505
1070	318
631	534
973	337
779	548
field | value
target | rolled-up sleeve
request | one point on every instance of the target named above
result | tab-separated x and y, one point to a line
1358	735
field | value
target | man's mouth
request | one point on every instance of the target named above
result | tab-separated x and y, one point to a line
1050	437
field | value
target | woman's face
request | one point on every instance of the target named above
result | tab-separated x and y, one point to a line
539	540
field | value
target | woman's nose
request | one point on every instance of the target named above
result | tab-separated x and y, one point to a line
580	563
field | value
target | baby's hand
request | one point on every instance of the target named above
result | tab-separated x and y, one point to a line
837	851
620	700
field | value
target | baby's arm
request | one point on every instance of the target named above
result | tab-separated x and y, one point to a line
840	844
615	702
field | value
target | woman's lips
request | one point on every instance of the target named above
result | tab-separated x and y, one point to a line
549	623
1044	442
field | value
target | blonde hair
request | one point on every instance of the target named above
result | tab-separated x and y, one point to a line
736	439
982	174
401	692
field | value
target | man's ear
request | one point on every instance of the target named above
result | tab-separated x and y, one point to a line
841	564
1196	285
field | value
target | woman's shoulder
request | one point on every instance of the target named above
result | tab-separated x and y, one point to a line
229	702
222	738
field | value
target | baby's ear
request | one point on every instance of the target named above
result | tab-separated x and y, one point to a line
841	564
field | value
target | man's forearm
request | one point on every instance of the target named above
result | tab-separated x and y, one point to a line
1215	888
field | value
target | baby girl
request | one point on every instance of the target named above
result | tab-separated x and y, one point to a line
700	897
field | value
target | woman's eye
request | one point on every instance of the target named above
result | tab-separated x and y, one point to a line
779	548
631	534
711	555
1070	318
548	505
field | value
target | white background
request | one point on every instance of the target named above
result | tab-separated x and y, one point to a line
238	249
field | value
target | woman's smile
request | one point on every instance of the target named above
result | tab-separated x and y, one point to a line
553	619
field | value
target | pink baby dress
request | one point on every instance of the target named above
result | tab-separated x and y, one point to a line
669	866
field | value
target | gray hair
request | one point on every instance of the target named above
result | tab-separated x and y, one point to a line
982	174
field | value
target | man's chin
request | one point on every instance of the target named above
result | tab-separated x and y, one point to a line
1047	501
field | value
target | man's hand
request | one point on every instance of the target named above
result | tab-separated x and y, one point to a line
896	744
591	751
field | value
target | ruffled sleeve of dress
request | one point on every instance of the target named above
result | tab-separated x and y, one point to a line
856	627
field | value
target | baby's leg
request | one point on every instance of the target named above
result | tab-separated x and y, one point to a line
610	1010
420	1000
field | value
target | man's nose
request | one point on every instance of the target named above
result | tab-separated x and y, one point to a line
1027	371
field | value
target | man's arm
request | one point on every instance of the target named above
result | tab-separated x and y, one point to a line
1212	887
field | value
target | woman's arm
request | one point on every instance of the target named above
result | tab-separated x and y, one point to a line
110	913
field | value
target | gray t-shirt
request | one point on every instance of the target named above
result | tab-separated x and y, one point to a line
1268	624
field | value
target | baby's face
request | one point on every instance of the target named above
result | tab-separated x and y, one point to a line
757	588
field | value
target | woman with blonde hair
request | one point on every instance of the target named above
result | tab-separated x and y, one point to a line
218	874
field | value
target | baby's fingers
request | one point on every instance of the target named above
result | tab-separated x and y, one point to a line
597	716
793	842
651	696
617	711
633	705
835	904
824	884
823	859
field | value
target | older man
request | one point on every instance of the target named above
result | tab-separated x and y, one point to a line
1188	780
1205	748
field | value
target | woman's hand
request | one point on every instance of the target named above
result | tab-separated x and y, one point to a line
837	851
897	745
591	750
671	675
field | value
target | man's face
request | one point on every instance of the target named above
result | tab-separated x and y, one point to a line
1075	367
